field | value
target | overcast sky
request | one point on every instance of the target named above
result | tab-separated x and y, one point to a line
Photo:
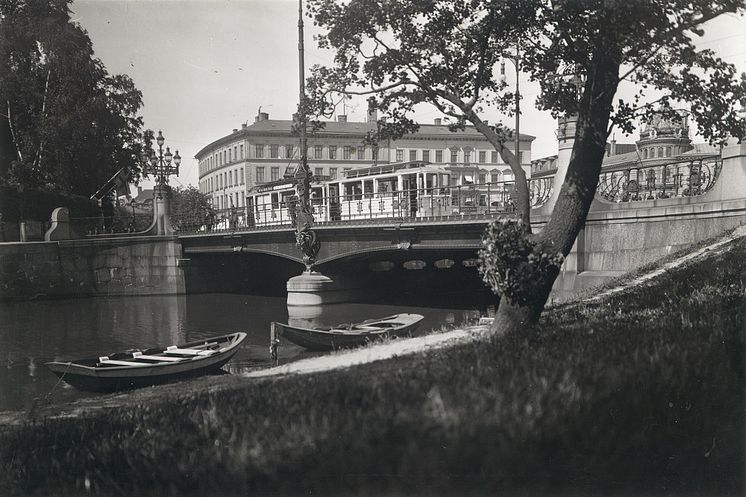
205	67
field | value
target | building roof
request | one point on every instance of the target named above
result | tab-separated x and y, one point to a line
283	127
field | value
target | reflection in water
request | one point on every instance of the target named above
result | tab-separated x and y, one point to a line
32	333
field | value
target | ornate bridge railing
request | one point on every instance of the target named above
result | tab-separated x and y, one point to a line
682	179
451	202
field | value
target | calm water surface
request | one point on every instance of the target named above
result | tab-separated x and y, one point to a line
32	333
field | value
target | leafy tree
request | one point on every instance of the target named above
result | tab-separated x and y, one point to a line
72	124
444	53
190	209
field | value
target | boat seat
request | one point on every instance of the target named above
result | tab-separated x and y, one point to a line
162	358
175	350
114	362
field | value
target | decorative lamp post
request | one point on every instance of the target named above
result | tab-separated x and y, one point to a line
304	235
161	165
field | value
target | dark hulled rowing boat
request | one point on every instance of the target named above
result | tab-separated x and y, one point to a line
348	335
132	369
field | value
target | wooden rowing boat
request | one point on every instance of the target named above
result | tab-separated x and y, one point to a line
347	335
137	368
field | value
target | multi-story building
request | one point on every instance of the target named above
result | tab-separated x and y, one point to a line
268	150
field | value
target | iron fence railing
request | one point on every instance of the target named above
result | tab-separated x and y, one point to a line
422	204
682	179
115	224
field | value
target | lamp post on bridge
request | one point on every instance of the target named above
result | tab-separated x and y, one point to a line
161	165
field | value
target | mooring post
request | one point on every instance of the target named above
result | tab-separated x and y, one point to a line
273	342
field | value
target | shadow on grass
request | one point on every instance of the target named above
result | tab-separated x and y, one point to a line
640	393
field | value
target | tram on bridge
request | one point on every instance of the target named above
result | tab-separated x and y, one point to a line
414	189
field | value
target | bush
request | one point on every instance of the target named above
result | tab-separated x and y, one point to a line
513	265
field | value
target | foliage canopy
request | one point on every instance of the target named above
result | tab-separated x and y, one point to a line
73	125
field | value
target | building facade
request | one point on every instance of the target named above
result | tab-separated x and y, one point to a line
268	150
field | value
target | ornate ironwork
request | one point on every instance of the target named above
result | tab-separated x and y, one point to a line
682	179
302	213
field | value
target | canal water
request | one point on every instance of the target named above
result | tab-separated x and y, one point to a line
32	333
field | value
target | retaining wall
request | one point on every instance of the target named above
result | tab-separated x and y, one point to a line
620	237
91	267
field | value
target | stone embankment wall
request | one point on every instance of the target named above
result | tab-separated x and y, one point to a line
620	237
143	265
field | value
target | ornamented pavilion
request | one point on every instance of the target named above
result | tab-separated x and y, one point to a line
662	163
267	150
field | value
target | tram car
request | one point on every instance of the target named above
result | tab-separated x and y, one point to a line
414	189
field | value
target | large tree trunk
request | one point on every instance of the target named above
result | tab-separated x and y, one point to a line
577	191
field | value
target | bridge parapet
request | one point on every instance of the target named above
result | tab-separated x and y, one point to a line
452	203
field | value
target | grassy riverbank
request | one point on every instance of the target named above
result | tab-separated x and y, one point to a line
641	393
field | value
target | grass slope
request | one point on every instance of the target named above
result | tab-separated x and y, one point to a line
638	393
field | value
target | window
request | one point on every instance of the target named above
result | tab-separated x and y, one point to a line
274	151
225	157
259	151
318	151
520	157
400	156
235	153
230	178
242	181
289	151
346	153
660	151
652	153
454	156
645	153
438	156
495	176
333	172
274	174
413	155
319	171
242	151
361	153
426	155
494	157
482	178
668	151
482	156
374	152
260	174
467	157
332	151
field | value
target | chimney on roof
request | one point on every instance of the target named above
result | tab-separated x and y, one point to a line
612	147
342	118
263	116
243	126
437	121
235	130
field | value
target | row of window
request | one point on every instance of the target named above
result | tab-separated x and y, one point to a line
223	180
229	200
467	155
225	156
319	152
650	153
274	173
